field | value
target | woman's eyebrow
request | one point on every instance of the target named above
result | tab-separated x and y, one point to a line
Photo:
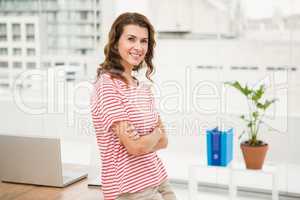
130	35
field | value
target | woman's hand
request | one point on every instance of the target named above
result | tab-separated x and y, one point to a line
133	142
132	133
163	140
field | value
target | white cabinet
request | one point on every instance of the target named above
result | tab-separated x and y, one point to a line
172	15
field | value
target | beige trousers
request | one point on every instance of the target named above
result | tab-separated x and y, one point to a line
162	192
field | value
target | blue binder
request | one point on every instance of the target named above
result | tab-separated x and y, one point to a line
226	147
216	148
219	147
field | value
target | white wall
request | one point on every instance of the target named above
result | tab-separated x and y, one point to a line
192	16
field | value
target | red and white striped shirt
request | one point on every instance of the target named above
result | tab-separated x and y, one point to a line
112	101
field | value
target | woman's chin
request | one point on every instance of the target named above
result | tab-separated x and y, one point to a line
135	63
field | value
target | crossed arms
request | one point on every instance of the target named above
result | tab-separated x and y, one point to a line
139	145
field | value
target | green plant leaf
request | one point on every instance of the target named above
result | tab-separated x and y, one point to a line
249	124
266	104
247	90
259	105
255	114
257	94
256	109
244	90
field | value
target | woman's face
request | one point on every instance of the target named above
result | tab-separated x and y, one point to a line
133	45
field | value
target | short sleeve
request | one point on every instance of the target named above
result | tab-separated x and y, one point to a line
108	106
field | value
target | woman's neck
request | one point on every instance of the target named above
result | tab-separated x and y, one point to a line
127	74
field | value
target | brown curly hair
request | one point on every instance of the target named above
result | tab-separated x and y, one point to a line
112	62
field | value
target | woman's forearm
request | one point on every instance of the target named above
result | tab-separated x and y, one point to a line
162	144
148	142
151	142
163	141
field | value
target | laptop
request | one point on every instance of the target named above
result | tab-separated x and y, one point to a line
35	160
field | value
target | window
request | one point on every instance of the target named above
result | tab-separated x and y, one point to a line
30	29
17	51
3	32
3	64
30	32
52	41
3	51
75	64
46	64
30	52
30	38
51	16
59	64
16	32
62	16
31	65
83	15
17	65
83	51
3	76
4	84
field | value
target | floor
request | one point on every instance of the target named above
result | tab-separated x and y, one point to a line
211	193
80	191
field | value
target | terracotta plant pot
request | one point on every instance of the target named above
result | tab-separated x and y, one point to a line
254	156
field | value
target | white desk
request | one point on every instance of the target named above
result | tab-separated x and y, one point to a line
267	169
233	168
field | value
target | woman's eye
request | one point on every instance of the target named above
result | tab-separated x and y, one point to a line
131	39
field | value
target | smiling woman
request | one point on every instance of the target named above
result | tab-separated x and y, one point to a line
133	45
128	127
130	46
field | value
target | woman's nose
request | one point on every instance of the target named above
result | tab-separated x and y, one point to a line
137	46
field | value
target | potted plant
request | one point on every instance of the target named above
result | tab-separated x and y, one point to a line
254	150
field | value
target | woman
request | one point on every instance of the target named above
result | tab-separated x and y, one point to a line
128	128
